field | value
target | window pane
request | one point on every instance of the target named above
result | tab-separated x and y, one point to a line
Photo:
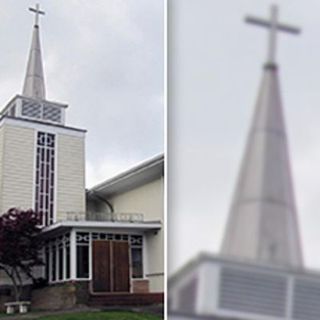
60	263
47	261
54	263
82	262
137	268
67	262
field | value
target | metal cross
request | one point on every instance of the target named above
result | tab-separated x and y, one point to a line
37	12
274	26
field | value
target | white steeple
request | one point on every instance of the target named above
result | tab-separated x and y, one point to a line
34	80
262	224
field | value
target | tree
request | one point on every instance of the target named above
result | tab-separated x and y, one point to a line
20	246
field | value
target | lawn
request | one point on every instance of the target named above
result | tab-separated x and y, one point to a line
112	315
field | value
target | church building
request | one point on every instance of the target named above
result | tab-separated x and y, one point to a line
105	245
259	273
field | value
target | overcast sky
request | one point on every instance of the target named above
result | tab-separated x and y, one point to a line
105	59
215	67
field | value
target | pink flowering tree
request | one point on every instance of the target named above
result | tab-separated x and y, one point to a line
20	246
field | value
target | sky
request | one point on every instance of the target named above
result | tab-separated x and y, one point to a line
215	68
105	59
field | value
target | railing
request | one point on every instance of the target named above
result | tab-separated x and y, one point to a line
101	216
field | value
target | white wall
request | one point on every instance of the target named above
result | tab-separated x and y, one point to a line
148	200
70	195
17	153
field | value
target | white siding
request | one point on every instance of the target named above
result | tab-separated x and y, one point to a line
147	199
70	176
17	167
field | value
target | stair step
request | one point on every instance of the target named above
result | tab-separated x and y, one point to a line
128	299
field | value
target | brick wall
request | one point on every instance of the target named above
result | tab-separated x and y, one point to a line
60	296
54	297
140	286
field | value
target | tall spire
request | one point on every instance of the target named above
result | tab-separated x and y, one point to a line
34	80
263	224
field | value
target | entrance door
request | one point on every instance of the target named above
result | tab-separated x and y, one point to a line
110	266
120	266
101	251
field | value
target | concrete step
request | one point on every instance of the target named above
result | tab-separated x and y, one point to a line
125	299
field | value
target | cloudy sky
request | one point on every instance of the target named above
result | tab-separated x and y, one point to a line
215	67
105	59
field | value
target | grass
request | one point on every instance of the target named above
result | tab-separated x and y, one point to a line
110	315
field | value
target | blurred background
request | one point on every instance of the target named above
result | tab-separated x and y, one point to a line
215	68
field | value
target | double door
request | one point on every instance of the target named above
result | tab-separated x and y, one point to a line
111	266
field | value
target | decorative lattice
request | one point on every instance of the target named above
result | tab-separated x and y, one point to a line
45	176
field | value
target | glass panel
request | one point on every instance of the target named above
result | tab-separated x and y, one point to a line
82	261
47	261
60	263
68	262
137	262
53	263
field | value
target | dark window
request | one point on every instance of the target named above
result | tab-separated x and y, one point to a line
68	262
82	261
137	263
47	260
60	262
54	263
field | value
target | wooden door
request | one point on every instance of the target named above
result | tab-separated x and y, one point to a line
120	266
110	266
101	277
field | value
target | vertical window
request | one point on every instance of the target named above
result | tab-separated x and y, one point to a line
136	243
45	175
54	263
68	262
83	255
136	256
47	262
57	258
67	255
60	260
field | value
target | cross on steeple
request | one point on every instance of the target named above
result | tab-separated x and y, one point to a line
37	12
274	26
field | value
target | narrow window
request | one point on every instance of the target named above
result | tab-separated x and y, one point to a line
136	243
60	261
83	262
45	176
68	262
47	262
82	255
137	263
53	263
67	255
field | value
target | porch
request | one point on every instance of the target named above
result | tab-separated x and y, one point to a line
101	252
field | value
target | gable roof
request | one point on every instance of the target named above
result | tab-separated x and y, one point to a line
142	173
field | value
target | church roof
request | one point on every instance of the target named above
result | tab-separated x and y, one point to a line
262	223
143	173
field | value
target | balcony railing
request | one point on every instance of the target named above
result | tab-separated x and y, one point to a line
101	216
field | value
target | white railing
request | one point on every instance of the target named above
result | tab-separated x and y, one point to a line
101	216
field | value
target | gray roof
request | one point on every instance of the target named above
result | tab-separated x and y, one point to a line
262	223
136	176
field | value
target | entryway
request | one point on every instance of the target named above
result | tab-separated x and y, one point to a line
110	266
